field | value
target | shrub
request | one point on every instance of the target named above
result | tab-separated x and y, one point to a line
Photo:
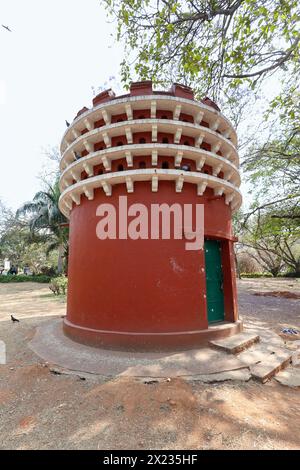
23	278
290	274
255	275
59	285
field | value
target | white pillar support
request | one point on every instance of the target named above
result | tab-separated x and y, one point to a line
66	182
216	147
128	158
218	191
106	163
154	157
106	188
75	198
228	155
228	174
88	146
179	184
75	133
234	205
107	139
128	110
88	124
235	181
217	169
227	134
153	110
129	184
75	175
199	140
177	111
128	133
65	164
177	136
89	193
199	117
201	187
106	116
154	133
88	168
215	125
178	158
228	198
68	203
200	162
154	184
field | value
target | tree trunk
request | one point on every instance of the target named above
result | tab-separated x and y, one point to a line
60	259
237	268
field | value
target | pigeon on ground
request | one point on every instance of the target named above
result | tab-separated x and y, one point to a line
13	319
6	27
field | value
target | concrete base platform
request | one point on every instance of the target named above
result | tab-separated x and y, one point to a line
54	347
132	341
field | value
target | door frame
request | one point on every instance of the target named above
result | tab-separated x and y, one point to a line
229	279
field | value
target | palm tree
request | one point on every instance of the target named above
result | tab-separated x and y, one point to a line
46	219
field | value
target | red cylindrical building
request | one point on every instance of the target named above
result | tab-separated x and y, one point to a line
153	147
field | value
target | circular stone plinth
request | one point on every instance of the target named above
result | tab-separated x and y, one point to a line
130	341
53	346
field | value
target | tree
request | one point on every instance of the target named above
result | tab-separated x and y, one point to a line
273	242
273	169
210	44
46	220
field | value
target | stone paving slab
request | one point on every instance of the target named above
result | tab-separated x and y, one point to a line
260	353
289	377
55	348
271	365
237	343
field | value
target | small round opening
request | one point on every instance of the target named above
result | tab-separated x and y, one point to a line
141	117
164	117
120	168
119	144
165	165
142	140
100	172
142	164
186	142
165	140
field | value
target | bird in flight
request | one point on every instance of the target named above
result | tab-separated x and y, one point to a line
67	124
6	27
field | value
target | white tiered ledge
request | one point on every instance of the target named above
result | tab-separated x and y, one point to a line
220	135
154	103
86	188
200	156
154	126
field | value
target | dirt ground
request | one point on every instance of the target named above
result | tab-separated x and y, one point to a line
42	410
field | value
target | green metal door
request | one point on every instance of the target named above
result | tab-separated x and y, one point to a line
214	281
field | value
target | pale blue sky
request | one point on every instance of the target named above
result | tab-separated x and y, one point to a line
58	49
